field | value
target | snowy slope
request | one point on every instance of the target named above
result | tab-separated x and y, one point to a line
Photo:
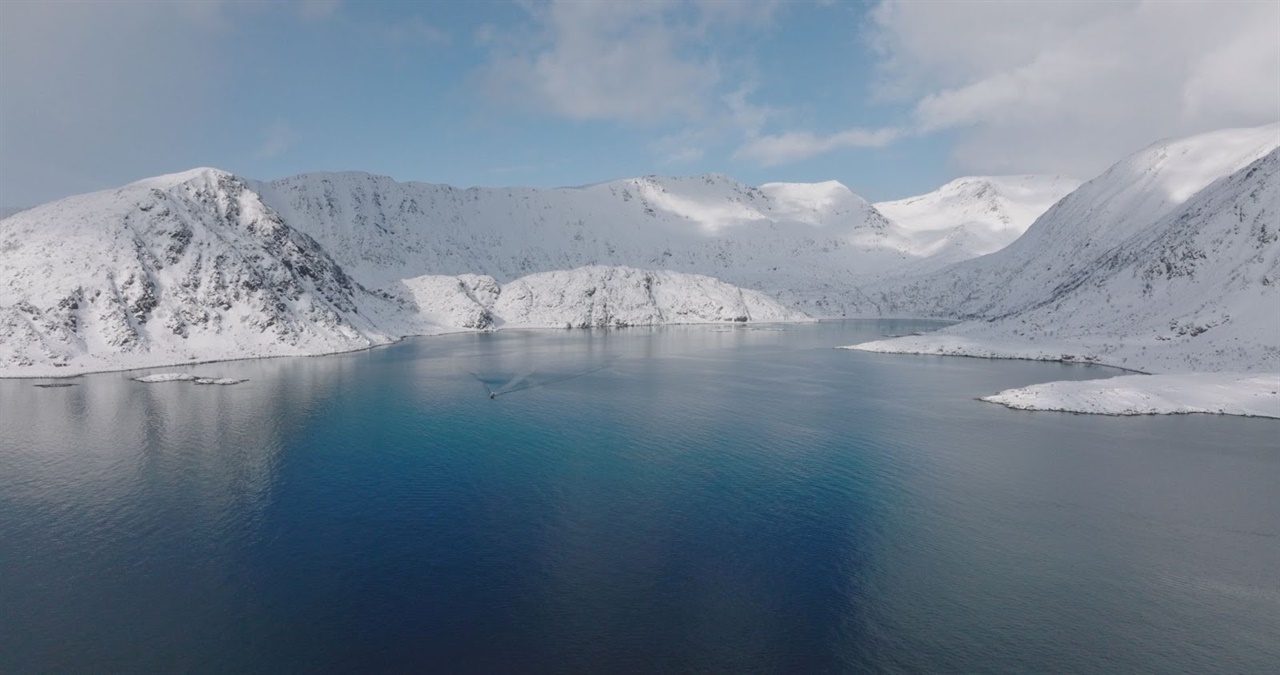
179	268
464	301
799	242
1131	196
972	216
1196	290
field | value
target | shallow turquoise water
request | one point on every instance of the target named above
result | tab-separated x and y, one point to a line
701	498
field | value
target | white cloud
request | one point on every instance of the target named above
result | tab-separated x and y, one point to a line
318	9
607	61
415	30
634	62
97	94
748	117
93	91
686	146
793	146
1060	86
1070	86
276	139
685	154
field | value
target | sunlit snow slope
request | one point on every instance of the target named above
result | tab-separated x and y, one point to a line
972	216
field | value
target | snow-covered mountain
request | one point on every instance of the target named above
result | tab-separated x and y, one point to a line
196	267
972	216
1196	288
804	243
801	243
186	267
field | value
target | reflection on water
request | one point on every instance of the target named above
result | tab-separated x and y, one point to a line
702	498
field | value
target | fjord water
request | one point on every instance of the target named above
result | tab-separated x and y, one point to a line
715	499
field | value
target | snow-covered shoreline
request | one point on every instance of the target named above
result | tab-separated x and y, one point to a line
63	373
1246	394
943	346
938	344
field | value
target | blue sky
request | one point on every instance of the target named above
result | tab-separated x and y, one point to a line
890	98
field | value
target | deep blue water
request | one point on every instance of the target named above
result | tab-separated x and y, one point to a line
681	499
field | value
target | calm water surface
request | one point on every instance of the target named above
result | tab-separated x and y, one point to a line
684	499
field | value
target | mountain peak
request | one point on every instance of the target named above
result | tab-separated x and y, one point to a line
974	215
202	174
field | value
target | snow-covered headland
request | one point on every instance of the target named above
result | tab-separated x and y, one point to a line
1168	263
